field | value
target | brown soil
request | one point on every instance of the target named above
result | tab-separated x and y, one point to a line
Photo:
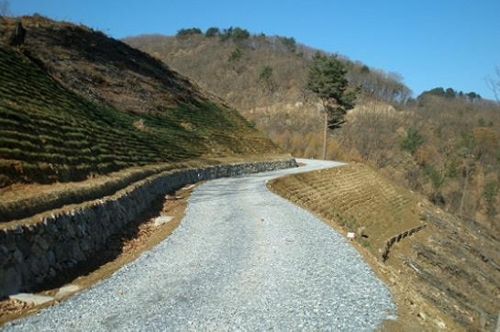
101	68
445	277
125	248
122	248
38	200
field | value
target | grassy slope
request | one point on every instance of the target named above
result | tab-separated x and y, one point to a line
51	134
374	133
447	273
235	79
76	105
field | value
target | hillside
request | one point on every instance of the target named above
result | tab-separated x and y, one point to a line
75	104
87	123
255	72
443	276
442	144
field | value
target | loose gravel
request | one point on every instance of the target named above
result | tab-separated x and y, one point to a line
242	259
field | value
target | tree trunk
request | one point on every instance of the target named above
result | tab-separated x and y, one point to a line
498	323
464	190
325	135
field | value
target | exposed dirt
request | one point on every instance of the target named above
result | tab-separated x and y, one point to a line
103	69
38	200
446	277
122	249
75	103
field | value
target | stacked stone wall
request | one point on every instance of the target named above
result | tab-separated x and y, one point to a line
35	253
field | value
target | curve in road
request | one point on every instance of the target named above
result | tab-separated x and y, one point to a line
242	259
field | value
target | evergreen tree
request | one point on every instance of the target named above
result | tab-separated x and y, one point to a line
184	33
212	32
327	79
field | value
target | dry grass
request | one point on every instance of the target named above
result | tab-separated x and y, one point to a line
355	197
374	131
440	277
28	203
443	277
71	100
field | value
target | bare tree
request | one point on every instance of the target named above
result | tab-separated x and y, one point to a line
494	84
4	8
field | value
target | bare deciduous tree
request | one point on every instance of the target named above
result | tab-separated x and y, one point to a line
4	8
494	84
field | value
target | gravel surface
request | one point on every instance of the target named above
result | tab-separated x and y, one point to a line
242	259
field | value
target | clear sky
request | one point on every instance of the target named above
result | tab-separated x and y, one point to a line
431	43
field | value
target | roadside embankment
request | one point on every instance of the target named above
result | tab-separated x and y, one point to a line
33	253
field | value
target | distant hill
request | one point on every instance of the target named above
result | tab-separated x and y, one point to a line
75	103
443	144
264	78
256	71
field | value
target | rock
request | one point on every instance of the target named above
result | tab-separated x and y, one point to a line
51	228
51	257
25	272
85	245
18	230
9	242
70	231
35	266
440	324
162	220
37	251
80	231
4	255
31	298
62	251
62	240
44	265
189	187
66	291
77	253
10	281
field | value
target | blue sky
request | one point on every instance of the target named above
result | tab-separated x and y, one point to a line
431	43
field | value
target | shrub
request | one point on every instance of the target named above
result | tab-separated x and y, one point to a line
240	34
289	43
212	32
490	192
236	34
183	33
235	55
436	178
412	140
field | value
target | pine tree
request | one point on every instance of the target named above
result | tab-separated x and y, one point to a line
327	80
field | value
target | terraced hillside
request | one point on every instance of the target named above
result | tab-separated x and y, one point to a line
86	121
445	276
56	124
355	197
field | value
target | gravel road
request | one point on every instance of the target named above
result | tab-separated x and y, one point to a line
242	259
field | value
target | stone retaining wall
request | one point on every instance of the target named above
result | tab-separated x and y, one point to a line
33	254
